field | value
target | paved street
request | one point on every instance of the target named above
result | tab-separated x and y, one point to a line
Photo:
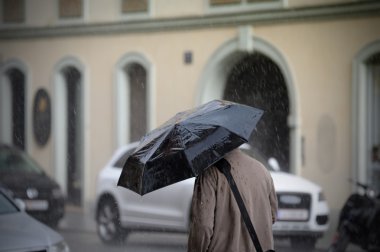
136	242
141	242
80	233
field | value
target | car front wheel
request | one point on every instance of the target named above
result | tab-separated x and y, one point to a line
108	222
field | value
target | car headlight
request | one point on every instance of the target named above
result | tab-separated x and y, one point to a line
60	247
321	196
57	193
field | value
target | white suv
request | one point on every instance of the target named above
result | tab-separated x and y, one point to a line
302	214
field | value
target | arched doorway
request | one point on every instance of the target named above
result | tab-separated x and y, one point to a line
374	119
134	98
366	116
257	81
221	79
74	137
13	112
69	139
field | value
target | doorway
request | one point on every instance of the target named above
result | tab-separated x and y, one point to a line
74	137
69	136
257	81
366	116
373	120
13	112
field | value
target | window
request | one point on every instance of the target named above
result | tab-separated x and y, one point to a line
244	4
133	98
261	1
70	8
13	11
222	2
138	101
134	6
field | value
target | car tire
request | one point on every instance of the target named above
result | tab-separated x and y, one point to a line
108	222
303	242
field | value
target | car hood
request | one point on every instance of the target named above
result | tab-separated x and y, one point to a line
285	182
21	181
20	232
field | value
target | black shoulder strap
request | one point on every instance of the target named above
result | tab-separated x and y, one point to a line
225	167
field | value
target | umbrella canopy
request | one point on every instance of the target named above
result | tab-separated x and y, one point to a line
187	144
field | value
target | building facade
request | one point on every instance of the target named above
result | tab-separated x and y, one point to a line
109	71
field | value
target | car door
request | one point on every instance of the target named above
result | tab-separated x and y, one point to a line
169	206
166	207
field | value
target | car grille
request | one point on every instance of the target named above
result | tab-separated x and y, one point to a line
42	194
322	219
293	206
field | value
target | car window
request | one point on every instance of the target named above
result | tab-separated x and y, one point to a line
121	161
11	161
6	206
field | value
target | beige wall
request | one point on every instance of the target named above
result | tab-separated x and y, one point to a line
177	8
319	55
41	12
100	56
45	12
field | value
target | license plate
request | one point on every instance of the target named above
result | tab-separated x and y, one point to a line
36	204
293	214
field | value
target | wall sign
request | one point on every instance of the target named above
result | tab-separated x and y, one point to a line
41	116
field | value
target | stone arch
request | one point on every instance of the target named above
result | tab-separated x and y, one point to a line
362	120
213	80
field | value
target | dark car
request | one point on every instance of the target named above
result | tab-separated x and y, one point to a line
42	196
20	232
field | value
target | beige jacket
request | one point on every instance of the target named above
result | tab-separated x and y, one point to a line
216	223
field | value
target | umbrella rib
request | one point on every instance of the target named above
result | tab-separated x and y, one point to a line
192	133
216	125
183	147
159	145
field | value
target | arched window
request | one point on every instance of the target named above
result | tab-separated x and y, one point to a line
134	99
138	100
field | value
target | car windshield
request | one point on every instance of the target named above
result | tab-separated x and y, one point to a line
11	161
6	206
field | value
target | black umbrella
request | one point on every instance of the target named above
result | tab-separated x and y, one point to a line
187	144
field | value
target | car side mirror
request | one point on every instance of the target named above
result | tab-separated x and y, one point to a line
274	164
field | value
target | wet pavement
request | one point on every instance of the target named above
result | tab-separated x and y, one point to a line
79	230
